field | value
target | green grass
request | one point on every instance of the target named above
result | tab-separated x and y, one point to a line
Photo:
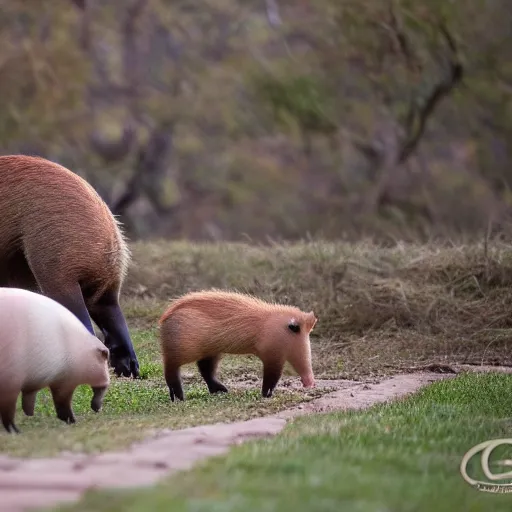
402	456
132	409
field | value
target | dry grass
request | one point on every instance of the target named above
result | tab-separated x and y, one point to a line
380	309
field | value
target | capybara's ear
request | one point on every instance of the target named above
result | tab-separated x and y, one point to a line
311	320
104	352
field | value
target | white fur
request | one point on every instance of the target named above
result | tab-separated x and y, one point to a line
41	340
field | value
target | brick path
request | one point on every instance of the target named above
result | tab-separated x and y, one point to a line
27	484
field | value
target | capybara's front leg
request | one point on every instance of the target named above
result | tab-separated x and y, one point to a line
207	368
110	319
7	412
272	371
173	380
28	402
62	401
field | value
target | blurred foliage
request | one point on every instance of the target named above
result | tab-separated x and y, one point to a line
212	120
298	97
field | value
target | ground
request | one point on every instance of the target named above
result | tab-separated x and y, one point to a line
401	455
382	312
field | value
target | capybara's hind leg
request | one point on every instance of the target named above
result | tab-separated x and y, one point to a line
173	380
69	295
28	402
107	314
62	401
16	273
7	413
272	371
207	368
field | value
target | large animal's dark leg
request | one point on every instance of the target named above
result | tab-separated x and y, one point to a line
62	401
207	368
107	314
271	374
173	380
7	412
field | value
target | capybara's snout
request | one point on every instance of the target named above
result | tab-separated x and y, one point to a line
97	398
308	381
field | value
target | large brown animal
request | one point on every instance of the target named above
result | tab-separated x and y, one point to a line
59	238
200	326
43	344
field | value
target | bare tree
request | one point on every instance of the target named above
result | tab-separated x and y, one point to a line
398	146
151	157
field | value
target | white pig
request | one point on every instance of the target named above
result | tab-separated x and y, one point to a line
44	345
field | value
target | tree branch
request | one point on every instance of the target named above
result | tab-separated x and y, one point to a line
105	90
273	16
85	24
113	151
129	49
81	4
396	26
420	114
149	170
396	152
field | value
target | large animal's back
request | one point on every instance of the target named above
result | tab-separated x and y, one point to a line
43	201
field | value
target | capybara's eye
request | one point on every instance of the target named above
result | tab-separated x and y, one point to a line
294	327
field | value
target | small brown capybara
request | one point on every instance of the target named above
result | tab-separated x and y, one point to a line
59	238
201	326
44	345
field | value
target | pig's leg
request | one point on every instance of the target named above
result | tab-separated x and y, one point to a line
28	402
62	400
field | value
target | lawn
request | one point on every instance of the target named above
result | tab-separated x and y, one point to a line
402	456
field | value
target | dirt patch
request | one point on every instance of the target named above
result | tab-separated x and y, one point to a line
26	484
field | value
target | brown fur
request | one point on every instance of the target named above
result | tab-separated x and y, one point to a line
60	223
200	326
59	238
